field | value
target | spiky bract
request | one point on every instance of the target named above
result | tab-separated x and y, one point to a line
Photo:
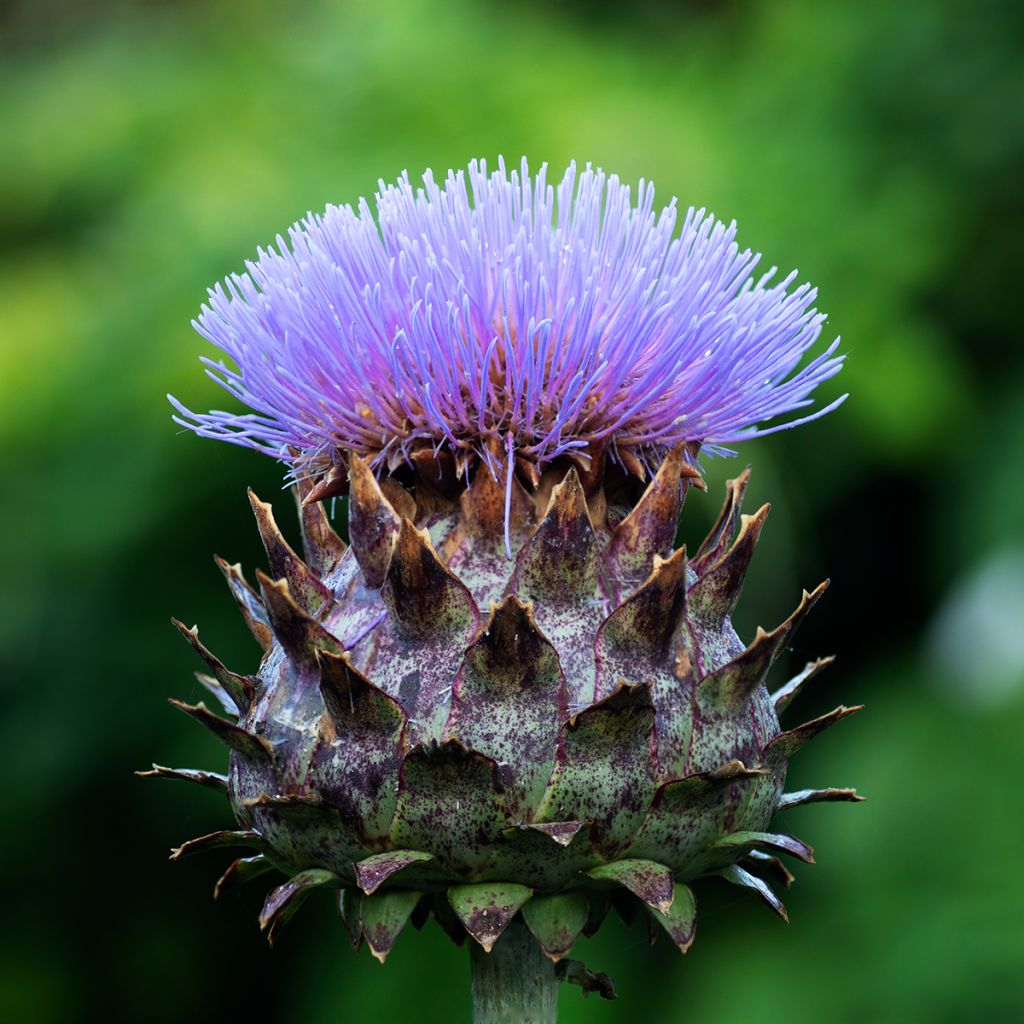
435	729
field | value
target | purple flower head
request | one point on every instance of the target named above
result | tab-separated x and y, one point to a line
502	313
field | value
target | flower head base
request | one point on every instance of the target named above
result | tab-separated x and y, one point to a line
499	313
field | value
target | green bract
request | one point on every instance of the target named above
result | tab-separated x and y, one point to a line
436	729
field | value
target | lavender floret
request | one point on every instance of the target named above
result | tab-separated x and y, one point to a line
499	313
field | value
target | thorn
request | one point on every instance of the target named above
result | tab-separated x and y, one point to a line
766	862
561	832
719	583
612	738
423	596
283	901
737	876
735	682
509	700
437	482
647	618
352	700
590	464
816	796
213	687
241	689
211	780
255	749
299	634
398	498
732	770
645	879
302	803
249	602
650	528
373	524
245	869
216	841
556	920
782	697
350	910
485	909
768	842
511	651
675	795
786	744
374	871
333	484
559	562
383	916
718	540
625	699
631	463
442	785
284	563
680	921
483	502
323	547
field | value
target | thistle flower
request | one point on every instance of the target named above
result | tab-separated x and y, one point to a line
500	311
510	703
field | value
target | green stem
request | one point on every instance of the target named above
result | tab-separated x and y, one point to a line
515	983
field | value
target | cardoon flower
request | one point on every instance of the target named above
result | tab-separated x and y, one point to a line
510	704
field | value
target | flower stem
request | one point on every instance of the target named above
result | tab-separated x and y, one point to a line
515	983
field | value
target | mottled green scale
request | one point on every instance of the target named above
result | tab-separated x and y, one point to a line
451	803
607	773
441	726
556	920
558	570
687	817
356	762
510	702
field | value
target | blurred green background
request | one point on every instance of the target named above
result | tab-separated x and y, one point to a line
147	148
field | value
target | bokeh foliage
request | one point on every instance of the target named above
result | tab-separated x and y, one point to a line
149	147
